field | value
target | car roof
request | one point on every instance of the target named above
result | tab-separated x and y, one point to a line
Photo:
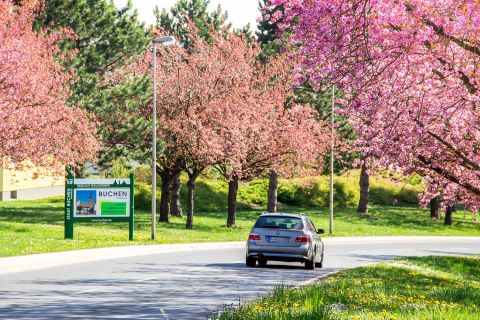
284	215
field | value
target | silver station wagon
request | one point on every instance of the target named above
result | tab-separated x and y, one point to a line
285	237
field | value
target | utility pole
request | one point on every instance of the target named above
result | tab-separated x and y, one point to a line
331	165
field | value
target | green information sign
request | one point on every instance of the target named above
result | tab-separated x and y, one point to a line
98	200
114	209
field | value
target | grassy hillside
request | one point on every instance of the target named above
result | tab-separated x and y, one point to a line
346	191
211	195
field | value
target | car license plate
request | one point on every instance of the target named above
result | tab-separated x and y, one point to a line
278	239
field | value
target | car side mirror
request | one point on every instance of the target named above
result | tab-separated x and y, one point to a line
321	231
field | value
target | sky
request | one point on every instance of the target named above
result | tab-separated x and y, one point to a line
240	12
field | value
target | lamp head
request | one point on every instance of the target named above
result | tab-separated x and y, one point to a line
166	41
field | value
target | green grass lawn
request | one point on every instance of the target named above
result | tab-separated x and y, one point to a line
407	288
36	226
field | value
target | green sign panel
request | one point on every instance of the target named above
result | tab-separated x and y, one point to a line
114	209
98	200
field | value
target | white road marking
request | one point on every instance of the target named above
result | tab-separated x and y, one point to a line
147	279
407	249
356	251
195	269
86	291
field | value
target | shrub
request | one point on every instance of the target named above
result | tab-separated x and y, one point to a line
143	196
316	193
143	174
287	193
210	195
383	191
415	180
121	168
255	192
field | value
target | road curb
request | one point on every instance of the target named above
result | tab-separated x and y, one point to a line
389	239
57	259
34	262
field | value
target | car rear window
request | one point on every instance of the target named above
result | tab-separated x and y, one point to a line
279	223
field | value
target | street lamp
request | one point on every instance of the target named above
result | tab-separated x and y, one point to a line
166	41
331	163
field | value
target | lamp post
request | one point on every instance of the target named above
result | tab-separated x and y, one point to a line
331	164
166	41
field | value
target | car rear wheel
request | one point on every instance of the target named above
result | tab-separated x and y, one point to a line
309	264
320	264
262	263
250	262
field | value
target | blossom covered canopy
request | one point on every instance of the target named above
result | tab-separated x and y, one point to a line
411	71
36	126
216	104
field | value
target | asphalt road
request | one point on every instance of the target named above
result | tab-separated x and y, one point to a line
185	285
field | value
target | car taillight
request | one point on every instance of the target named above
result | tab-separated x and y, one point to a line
302	239
254	236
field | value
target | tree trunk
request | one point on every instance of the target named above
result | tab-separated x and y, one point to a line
232	202
272	192
364	190
165	197
434	208
175	205
191	198
448	216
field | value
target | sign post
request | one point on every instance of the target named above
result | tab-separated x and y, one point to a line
132	194
69	209
98	200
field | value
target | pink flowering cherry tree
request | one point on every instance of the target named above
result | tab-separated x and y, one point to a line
200	102
410	71
218	106
37	127
272	137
